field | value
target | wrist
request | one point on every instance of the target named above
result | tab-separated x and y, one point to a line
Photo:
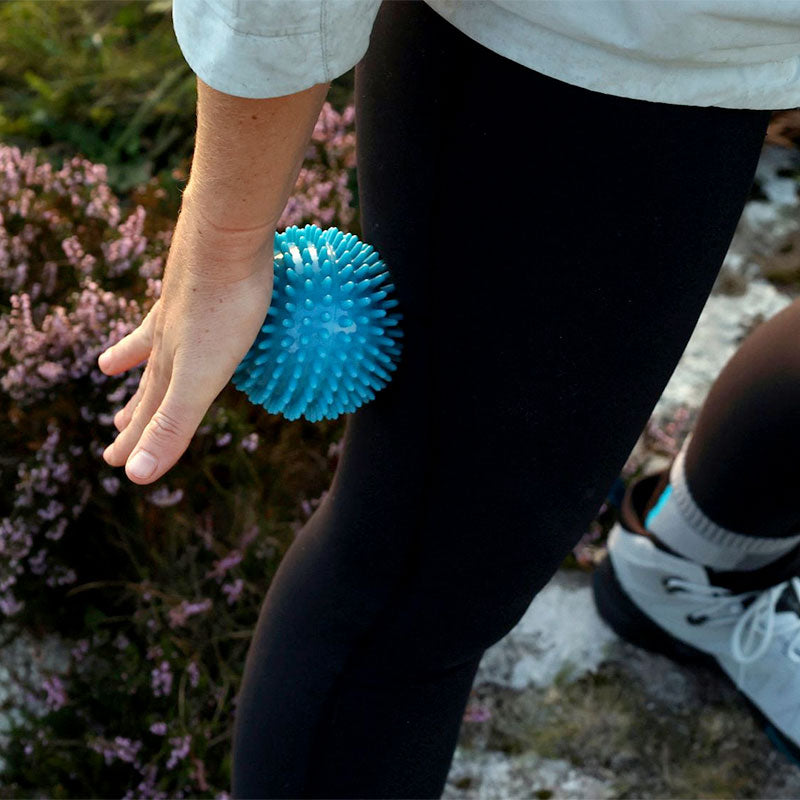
207	212
215	253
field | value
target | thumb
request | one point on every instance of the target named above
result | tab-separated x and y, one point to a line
130	350
166	436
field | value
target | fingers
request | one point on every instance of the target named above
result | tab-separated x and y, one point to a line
160	429
151	395
123	416
131	349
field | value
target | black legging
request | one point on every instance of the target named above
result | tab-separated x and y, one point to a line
552	248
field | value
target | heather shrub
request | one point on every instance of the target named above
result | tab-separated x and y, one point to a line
155	588
327	184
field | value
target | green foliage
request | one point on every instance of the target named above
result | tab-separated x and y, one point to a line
103	79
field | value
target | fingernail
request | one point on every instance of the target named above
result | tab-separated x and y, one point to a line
141	464
103	358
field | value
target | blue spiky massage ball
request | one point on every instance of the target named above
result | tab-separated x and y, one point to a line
329	339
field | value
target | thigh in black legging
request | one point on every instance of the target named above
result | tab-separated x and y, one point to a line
572	241
552	249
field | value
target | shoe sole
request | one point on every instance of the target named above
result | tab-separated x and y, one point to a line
629	622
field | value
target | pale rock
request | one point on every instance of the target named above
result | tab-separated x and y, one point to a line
496	776
560	634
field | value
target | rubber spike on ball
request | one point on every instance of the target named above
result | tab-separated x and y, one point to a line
331	336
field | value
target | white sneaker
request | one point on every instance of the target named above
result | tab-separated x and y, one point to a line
744	623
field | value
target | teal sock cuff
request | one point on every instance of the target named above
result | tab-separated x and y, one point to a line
658	506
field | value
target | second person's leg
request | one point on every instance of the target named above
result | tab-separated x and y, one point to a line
729	500
741	463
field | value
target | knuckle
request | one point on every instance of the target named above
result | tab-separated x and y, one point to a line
165	427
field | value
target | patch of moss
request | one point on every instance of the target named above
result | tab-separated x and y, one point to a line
606	725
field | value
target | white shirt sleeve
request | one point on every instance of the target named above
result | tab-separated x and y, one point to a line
271	48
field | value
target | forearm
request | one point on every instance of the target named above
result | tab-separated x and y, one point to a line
247	156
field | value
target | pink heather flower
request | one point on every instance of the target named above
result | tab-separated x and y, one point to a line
163	497
9	605
233	590
50	370
224	564
73	250
126	748
198	774
179	614
38	562
153	290
121	641
152	267
106	419
224	439
60	575
250	442
88	263
56	694
57	531
321	193
180	749
111	484
194	673
121	748
53	509
61	472
161	679
159	728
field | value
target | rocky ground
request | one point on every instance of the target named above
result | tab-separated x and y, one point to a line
562	708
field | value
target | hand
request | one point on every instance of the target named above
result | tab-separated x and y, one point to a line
215	294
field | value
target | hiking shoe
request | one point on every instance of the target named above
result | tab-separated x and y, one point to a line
745	624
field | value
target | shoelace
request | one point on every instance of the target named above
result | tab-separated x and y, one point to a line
755	627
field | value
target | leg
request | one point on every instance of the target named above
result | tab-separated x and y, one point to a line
738	467
468	479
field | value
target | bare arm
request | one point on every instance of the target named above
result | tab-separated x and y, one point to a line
247	156
217	282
